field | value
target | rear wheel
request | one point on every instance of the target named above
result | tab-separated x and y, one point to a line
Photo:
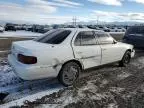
126	59
69	73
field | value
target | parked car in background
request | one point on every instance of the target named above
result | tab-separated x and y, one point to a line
91	26
20	27
106	29
121	29
113	29
81	26
10	27
135	36
97	28
47	28
71	26
1	28
117	29
38	28
64	53
29	28
55	26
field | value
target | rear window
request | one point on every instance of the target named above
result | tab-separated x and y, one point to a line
54	36
136	30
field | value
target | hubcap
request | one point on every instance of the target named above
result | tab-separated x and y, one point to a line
70	74
127	59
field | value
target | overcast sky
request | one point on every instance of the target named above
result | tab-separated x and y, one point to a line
61	11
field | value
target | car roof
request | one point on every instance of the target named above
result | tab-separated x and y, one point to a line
82	29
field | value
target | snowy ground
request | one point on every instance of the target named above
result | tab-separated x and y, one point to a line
20	33
116	32
106	87
21	90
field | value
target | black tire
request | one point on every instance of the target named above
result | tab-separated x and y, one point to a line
69	73
126	59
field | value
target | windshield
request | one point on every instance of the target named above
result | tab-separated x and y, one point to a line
54	36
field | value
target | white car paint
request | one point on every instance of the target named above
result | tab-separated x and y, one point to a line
51	57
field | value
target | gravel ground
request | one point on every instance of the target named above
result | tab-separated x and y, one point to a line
108	86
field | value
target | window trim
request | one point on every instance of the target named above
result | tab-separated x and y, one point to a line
96	40
104	43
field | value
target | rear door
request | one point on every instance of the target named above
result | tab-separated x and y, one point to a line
86	49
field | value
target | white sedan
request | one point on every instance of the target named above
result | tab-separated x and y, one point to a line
64	53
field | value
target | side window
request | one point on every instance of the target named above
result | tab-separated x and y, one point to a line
85	38
104	38
78	40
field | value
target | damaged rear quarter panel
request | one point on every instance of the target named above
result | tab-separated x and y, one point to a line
56	56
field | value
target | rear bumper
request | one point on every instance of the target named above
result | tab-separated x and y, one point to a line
31	72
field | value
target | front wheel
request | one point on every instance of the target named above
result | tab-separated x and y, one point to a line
126	59
69	73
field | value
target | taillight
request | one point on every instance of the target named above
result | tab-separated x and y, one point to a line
27	59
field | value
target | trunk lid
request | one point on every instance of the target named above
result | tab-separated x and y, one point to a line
31	45
29	48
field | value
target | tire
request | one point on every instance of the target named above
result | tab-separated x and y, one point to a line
126	59
69	73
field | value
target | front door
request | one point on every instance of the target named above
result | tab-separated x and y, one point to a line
110	50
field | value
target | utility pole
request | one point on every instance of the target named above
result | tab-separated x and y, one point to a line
74	21
97	20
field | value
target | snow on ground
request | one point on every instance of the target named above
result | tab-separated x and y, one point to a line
20	33
71	96
112	87
123	75
86	95
112	105
109	87
21	90
3	51
30	98
139	63
116	32
7	76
